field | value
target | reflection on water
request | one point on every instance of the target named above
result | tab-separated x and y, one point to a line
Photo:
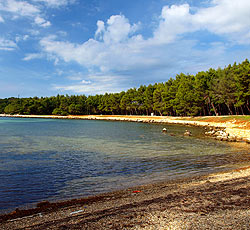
61	159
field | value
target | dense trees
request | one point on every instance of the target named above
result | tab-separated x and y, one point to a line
214	92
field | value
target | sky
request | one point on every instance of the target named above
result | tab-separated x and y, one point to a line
50	47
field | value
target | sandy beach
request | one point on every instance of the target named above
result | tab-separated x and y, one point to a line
214	201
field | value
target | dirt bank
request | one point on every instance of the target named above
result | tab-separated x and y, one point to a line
218	201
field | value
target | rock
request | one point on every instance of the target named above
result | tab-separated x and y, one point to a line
248	140
219	138
224	138
222	133
211	132
231	139
187	133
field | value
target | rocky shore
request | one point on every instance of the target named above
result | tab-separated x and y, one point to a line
223	128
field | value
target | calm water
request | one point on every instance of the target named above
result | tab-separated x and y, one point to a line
45	159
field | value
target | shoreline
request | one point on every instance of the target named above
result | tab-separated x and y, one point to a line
231	128
222	199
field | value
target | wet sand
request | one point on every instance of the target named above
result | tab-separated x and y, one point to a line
215	201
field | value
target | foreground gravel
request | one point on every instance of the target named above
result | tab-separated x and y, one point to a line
219	201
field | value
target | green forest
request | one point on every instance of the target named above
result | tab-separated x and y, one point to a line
214	92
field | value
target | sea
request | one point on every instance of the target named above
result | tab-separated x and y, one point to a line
61	159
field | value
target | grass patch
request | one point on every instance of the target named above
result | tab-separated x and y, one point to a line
241	118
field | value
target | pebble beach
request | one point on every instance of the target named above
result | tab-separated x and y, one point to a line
215	201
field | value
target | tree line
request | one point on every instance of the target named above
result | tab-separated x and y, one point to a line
214	92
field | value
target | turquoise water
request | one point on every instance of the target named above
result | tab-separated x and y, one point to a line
49	159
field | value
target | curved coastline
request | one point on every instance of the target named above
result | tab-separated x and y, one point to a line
222	199
234	128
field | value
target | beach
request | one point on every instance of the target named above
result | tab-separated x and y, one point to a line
213	201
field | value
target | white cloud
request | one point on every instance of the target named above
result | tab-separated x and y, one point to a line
1	19
117	30
75	76
24	9
31	56
42	22
174	20
98	85
34	32
7	45
85	82
25	37
100	28
21	38
225	16
20	8
118	50
222	17
116	46
116	37
84	54
55	3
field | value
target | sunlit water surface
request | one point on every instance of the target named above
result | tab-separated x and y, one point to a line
47	159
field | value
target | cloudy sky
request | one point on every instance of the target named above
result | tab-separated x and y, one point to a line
96	46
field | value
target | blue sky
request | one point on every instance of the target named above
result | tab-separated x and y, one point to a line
50	47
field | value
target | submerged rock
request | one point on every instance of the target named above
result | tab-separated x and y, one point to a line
187	133
164	130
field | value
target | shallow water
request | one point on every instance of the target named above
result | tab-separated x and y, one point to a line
48	159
